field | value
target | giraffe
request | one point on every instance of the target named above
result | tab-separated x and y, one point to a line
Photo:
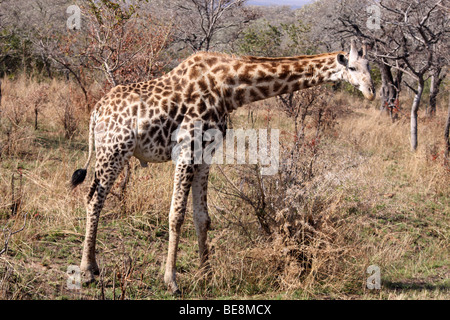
139	119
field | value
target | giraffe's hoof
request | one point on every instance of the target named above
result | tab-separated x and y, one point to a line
172	286
173	289
87	278
177	293
88	273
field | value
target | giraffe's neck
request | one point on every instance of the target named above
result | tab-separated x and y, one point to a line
251	79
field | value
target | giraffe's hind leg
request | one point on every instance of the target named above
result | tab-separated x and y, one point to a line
201	218
108	166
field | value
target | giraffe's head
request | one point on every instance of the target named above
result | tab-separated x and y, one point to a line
356	71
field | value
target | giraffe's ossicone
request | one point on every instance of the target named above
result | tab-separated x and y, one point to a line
139	120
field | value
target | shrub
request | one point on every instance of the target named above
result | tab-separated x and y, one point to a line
298	226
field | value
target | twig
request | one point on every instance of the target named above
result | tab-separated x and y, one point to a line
11	234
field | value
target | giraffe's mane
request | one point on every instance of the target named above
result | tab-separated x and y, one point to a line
287	59
257	59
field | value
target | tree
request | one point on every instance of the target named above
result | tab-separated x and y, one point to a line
22	23
406	41
261	41
206	24
119	42
271	39
322	19
419	27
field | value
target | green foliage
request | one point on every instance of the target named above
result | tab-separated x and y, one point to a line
297	34
264	41
120	12
285	39
376	75
15	53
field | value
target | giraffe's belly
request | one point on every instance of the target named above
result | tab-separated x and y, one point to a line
153	151
153	144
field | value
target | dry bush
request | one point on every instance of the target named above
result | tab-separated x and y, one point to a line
29	105
67	115
24	99
373	132
15	135
37	99
302	237
14	140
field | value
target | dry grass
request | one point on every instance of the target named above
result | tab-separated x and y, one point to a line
369	201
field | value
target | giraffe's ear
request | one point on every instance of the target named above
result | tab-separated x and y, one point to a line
342	59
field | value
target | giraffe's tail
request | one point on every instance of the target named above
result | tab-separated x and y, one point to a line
80	174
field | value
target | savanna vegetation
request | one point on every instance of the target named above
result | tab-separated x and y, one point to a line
359	183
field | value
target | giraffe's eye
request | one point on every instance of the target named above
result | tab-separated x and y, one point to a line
352	68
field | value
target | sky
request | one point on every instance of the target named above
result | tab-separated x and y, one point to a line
293	3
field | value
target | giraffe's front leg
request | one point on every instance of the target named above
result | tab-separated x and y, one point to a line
201	218
182	185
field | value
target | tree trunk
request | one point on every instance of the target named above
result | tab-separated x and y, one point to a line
36	111
390	89
386	80
47	65
0	101
447	134
24	59
414	110
436	80
48	68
